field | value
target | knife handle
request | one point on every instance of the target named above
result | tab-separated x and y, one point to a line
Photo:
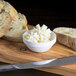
4	68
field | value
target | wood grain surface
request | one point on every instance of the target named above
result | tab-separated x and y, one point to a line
11	52
67	70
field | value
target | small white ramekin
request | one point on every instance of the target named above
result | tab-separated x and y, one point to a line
40	47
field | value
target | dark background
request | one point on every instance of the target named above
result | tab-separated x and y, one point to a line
51	13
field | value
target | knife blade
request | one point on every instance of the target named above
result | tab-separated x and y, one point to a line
53	62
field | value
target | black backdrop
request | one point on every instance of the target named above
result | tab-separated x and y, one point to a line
53	14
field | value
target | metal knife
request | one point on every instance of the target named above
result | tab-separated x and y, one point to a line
53	62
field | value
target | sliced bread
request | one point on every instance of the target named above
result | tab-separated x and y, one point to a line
5	6
1	6
17	29
5	21
66	36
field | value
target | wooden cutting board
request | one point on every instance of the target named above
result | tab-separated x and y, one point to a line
11	52
66	70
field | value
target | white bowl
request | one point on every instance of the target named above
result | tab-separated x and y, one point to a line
40	47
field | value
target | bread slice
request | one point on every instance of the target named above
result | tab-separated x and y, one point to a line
66	36
5	21
5	6
1	6
17	29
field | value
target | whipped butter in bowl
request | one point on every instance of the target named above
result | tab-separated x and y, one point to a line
39	39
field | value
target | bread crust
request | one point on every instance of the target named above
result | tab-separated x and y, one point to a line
25	19
72	43
66	40
13	39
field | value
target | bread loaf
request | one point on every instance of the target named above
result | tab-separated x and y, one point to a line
66	36
17	29
6	7
1	6
5	21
